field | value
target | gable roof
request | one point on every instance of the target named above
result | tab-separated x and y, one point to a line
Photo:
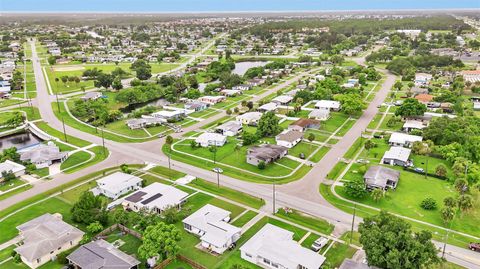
118	181
379	175
289	136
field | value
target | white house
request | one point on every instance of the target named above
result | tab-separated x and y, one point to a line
282	99
211	224
43	155
155	197
274	247
397	156
169	114
9	166
249	118
44	237
212	99
289	138
422	79
403	140
229	128
267	107
117	184
320	114
211	139
328	104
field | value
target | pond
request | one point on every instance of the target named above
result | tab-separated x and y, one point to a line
21	140
242	67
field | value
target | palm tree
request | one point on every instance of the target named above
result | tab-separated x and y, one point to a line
377	194
169	142
465	202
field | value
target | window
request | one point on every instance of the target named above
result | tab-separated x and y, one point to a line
266	261
38	260
248	255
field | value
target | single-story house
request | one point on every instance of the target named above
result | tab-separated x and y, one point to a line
274	247
328	104
320	114
424	98
9	166
211	139
418	90
228	92
144	122
229	128
196	105
267	107
211	224
169	114
249	118
42	155
101	254
289	138
212	99
44	237
422	79
471	75
302	125
117	184
282	99
381	178
397	156
155	197
403	140
410	125
91	96
242	87
425	119
5	86
255	82
266	153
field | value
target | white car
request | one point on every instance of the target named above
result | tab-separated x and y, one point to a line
217	170
319	244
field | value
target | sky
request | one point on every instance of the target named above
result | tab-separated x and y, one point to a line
225	5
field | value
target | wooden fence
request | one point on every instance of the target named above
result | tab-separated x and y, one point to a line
182	258
121	228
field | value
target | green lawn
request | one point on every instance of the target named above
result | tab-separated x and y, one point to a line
167	173
244	219
101	154
75	159
306	148
5	186
54	132
334	122
337	253
319	155
305	220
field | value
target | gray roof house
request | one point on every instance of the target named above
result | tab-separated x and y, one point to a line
45	237
43	155
381	177
397	156
101	255
229	128
351	264
266	153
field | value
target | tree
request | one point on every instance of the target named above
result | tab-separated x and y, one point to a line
268	125
15	120
449	201
10	154
465	202
8	176
160	239
428	203
89	208
461	185
369	144
171	215
377	194
447	213
441	170
389	242
261	165
117	84
94	227
311	137
355	189
249	138
398	85
125	169
52	60
103	80
351	103
411	107
142	69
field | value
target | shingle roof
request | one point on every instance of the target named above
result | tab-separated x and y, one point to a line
379	175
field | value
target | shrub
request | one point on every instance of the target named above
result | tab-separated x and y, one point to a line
428	204
261	165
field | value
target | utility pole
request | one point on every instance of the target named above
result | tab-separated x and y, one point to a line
103	144
274	198
353	222
58	103
64	131
218	179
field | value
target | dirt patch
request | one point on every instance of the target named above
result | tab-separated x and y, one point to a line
68	68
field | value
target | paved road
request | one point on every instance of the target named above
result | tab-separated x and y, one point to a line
302	195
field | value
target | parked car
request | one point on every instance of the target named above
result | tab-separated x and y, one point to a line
217	170
474	247
418	170
319	243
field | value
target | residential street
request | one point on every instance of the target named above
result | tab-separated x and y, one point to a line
302	194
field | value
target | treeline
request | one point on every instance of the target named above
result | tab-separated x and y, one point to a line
407	66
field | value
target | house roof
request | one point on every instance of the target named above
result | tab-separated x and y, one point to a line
230	126
328	104
266	151
118	181
282	99
351	264
10	166
304	123
319	113
276	244
44	234
268	106
101	255
397	153
206	137
289	136
379	175
250	116
210	219
424	98
157	195
413	124
401	138
42	153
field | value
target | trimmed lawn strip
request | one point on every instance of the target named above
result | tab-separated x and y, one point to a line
74	159
98	157
53	132
305	220
14	192
337	253
244	219
167	173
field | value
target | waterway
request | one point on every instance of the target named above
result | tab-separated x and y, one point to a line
20	140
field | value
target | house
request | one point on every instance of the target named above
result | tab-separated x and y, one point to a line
255	82
229	128
302	125
424	98
174	115
242	87
155	197
117	184
289	138
230	93
249	118
101	254
9	166
282	99
43	155
265	153
320	114
410	125
328	105
471	75
425	119
422	79
274	247
5	86
211	100
144	122
397	156
91	96
403	140
267	107
196	106
351	264
210	223
418	90
379	177
211	139
44	237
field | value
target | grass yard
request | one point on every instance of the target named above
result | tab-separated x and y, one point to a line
131	244
337	253
75	159
336	170
305	220
306	148
345	128
334	122
244	219
319	155
54	132
167	173
395	127
101	154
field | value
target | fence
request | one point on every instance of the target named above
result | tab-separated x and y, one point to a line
182	258
121	228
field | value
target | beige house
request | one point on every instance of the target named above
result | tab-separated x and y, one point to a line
44	237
